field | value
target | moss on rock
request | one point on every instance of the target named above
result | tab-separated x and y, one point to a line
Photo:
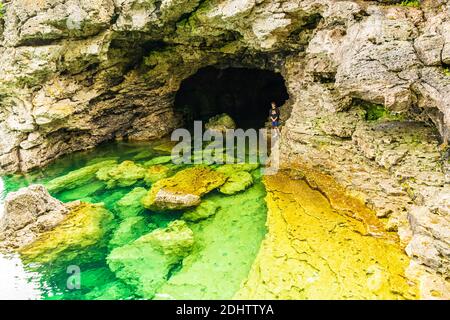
184	189
229	169
123	175
238	181
157	172
205	210
84	226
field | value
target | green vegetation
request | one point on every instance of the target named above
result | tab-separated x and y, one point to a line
447	71
376	112
411	3
2	10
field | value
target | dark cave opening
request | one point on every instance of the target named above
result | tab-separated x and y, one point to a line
244	94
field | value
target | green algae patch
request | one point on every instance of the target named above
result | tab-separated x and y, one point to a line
184	189
316	251
229	169
225	246
78	177
205	210
130	205
125	174
84	226
237	182
375	112
145	263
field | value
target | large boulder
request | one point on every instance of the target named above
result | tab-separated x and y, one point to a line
221	123
123	175
145	263
205	210
184	189
28	212
84	226
238	181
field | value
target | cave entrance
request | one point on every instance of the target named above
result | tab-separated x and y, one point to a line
245	94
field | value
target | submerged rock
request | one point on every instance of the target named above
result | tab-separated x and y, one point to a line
128	230
166	146
174	240
130	205
123	175
158	160
183	190
145	263
205	210
84	226
225	248
221	122
78	177
237	182
229	169
157	172
28	212
82	192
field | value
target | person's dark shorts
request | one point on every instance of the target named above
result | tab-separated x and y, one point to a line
275	123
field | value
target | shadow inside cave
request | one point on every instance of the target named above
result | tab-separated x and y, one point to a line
243	93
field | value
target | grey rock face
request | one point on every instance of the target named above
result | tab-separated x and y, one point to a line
76	73
28	212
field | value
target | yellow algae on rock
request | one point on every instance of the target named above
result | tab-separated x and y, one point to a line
157	172
237	182
84	226
123	175
340	200
315	251
184	189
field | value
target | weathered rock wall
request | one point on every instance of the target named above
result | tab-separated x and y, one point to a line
394	164
75	72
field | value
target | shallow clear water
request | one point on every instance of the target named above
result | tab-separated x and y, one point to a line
225	246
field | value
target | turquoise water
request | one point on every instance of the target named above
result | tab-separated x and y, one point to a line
225	244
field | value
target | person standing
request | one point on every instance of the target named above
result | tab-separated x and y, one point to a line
275	117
